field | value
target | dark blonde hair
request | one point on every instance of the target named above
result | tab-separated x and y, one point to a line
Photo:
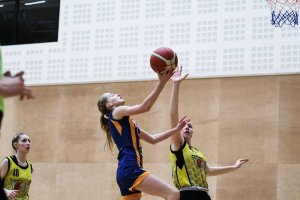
104	119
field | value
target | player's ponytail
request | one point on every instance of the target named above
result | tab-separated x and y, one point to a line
104	119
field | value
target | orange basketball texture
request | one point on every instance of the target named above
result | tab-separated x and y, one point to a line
163	59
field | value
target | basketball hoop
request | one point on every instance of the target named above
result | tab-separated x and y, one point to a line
284	12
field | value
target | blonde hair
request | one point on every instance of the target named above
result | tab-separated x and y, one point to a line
104	119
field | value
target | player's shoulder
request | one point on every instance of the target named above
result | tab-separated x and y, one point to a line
5	160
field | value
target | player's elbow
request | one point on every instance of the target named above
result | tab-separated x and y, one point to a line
153	141
146	108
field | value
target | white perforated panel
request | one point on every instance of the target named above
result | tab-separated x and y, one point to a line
111	40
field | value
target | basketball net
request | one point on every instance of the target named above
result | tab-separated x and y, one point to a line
284	12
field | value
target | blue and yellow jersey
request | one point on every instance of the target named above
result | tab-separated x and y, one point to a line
125	134
188	167
130	173
18	178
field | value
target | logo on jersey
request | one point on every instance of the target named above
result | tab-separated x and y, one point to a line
21	186
200	163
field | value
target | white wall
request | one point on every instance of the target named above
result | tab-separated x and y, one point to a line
111	40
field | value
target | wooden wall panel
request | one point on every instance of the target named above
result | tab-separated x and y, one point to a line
254	117
289	120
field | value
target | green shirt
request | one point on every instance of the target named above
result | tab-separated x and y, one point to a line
1	98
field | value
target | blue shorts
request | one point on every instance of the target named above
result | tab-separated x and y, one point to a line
129	175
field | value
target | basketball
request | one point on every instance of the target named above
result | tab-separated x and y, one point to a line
163	59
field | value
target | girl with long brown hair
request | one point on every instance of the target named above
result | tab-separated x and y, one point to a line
121	129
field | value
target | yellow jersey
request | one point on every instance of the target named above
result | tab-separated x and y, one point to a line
18	178
188	167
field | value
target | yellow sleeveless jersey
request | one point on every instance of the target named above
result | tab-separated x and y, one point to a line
18	178
188	167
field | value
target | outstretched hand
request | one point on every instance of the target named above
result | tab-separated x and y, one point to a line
240	162
165	76
14	86
177	76
26	91
182	122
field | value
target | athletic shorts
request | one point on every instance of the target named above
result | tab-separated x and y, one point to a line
194	195
128	177
2	193
1	117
